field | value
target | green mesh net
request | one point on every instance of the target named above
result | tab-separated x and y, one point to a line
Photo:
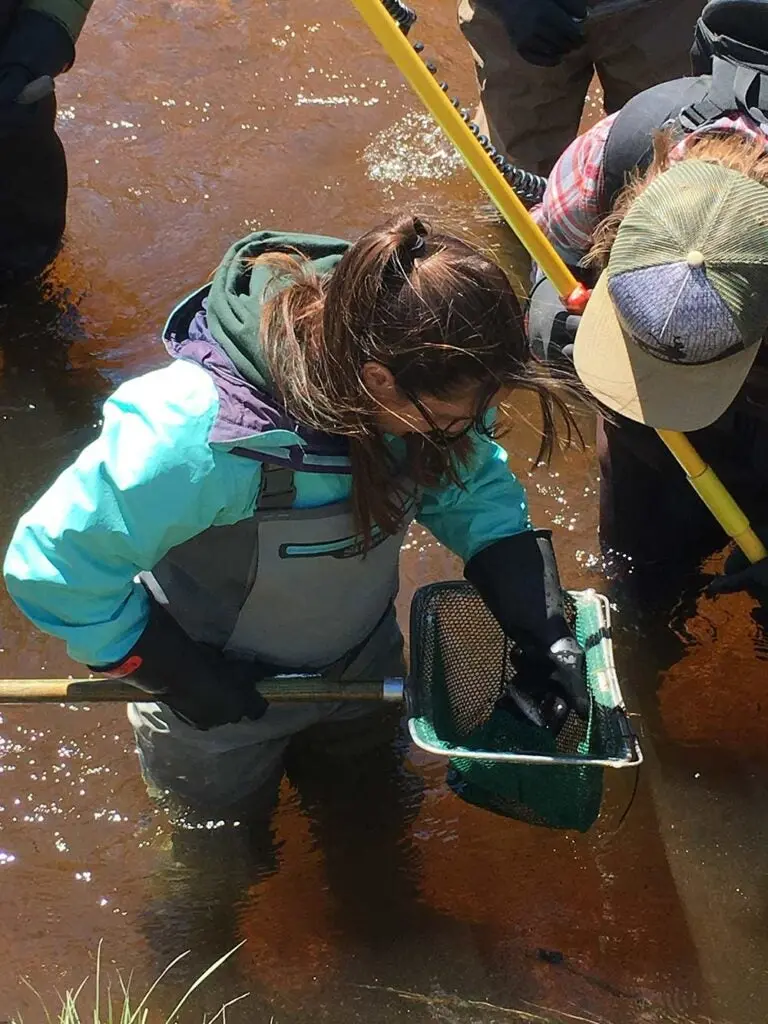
461	663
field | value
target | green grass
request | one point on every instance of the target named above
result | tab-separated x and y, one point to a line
119	1005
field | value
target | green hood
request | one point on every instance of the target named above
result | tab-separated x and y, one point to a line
235	299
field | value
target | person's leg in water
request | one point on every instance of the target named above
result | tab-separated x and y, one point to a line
359	798
642	46
219	789
530	114
655	532
760	521
33	197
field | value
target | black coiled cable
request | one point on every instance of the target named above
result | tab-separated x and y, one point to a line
403	15
529	187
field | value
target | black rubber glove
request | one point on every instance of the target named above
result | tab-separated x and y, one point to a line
198	684
517	578
543	31
551	329
37	47
740	574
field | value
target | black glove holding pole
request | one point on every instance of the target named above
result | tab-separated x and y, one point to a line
550	327
517	578
740	574
543	31
36	50
200	685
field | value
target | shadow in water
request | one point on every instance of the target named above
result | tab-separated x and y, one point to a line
48	406
330	878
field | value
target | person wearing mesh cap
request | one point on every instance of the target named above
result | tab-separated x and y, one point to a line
671	339
662	208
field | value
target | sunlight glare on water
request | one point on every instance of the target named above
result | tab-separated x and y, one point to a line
411	149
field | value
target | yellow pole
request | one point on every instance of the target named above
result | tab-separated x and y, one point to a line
714	495
423	83
702	478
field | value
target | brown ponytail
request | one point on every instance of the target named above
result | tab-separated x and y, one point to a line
429	306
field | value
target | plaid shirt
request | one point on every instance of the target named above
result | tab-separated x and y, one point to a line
571	209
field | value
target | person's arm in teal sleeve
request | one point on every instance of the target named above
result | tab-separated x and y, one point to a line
149	482
491	504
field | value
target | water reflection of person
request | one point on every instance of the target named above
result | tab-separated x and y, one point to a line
334	871
47	405
37	43
672	338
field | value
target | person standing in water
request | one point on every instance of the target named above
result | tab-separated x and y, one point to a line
37	43
663	208
535	60
243	509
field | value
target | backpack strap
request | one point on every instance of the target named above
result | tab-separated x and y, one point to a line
751	92
733	87
629	146
277	489
686	104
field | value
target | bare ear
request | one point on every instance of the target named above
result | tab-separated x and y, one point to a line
379	381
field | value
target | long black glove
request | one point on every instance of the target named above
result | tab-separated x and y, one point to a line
543	31
551	329
517	578
740	574
36	46
199	684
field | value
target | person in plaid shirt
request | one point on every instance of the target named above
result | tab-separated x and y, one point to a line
651	521
572	207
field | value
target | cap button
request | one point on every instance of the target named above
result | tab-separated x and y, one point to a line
695	258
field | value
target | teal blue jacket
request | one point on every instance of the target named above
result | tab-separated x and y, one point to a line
157	476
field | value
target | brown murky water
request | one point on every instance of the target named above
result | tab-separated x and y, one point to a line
187	123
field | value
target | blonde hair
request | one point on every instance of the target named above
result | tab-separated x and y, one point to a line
739	153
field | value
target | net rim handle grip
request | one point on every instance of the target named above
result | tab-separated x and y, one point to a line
573	760
386	30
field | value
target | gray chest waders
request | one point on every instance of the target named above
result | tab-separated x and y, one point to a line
291	587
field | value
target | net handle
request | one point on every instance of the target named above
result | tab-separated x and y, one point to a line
281	689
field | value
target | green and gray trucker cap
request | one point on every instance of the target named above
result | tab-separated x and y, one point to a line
675	321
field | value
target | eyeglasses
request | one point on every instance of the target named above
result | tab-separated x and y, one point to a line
444	437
